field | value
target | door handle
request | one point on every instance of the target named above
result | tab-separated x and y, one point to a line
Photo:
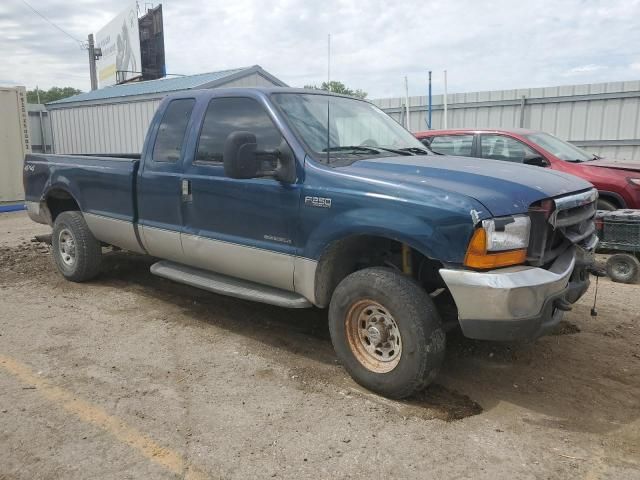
187	196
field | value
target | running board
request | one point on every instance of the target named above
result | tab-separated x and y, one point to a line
225	285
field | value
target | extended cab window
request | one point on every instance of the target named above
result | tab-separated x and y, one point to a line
499	147
452	145
227	115
172	129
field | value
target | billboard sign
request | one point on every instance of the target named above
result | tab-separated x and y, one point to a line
120	44
152	44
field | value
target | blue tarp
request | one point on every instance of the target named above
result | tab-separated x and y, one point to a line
11	208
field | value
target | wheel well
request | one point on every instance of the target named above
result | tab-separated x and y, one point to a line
614	199
354	253
59	201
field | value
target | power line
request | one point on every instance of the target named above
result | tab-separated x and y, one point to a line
82	44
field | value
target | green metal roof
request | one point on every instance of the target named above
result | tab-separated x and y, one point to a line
165	85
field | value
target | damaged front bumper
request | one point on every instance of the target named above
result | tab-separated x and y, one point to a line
518	303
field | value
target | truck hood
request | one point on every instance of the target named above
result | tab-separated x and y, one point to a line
617	164
503	188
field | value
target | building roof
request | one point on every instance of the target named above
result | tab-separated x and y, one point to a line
166	85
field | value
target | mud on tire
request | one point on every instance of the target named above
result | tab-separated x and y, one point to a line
76	251
386	332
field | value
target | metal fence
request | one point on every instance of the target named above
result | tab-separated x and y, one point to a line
603	118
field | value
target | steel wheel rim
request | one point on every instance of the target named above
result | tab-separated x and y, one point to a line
67	247
621	268
373	336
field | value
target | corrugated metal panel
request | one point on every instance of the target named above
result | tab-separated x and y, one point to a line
606	112
119	125
117	128
15	141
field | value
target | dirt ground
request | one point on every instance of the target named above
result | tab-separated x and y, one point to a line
133	376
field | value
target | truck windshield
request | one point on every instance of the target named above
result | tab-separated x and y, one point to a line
345	128
561	149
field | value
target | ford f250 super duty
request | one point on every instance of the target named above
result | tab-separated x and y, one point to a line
303	198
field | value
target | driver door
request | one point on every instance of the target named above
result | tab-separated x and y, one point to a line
238	227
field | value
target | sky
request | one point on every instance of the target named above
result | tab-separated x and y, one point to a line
483	45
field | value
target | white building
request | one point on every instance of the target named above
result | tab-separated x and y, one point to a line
115	119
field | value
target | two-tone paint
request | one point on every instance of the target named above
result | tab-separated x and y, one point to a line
268	232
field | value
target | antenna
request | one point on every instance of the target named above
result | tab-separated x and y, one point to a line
329	62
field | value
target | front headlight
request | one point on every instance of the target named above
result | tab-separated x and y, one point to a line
507	233
499	242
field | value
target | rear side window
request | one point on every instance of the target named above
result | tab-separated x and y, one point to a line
499	147
172	130
227	115
452	145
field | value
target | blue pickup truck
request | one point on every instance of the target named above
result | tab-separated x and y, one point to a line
302	198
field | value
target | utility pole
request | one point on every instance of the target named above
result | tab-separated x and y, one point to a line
94	54
406	102
445	99
429	111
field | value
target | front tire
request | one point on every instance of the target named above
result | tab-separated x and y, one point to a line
76	251
386	332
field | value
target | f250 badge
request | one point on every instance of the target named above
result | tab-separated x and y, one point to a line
320	202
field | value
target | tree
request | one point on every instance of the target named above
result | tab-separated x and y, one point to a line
51	95
338	87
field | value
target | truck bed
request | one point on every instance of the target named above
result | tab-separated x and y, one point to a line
100	184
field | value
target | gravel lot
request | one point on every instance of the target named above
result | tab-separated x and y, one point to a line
132	376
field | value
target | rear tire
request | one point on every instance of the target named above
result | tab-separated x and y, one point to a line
76	251
386	332
623	268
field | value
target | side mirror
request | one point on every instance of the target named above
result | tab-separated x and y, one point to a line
239	155
535	160
242	160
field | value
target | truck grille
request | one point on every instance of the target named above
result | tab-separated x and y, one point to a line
570	223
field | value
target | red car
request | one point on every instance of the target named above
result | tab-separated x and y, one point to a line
617	181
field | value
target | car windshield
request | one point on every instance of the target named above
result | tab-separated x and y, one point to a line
561	149
356	129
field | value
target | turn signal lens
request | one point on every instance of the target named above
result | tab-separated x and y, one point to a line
634	181
478	257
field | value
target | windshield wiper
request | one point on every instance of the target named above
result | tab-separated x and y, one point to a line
353	149
398	151
416	150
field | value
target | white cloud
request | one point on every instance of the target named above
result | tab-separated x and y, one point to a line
583	69
375	43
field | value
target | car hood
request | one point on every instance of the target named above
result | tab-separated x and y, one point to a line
617	164
503	188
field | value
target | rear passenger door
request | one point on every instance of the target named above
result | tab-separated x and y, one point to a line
458	144
502	147
159	183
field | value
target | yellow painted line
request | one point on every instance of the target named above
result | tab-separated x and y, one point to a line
94	415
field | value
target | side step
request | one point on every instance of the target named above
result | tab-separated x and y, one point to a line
225	285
